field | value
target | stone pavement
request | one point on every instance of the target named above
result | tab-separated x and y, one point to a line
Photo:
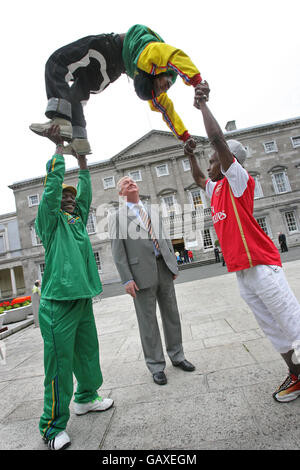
225	404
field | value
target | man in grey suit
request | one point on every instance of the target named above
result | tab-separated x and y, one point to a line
147	266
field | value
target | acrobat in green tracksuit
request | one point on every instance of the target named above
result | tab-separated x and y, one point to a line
66	317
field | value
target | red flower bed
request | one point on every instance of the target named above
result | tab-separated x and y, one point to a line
18	302
21	300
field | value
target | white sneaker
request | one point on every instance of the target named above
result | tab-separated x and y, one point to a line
99	404
80	146
59	442
65	127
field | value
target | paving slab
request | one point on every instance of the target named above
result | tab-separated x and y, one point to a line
225	404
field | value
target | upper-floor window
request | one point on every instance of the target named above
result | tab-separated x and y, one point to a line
281	182
169	204
135	175
196	198
34	237
162	170
186	165
296	141
291	221
270	146
91	223
108	182
33	200
258	192
2	244
42	269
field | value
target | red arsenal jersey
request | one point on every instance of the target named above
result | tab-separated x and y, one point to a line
243	242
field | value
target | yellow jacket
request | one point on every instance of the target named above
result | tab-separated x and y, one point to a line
158	57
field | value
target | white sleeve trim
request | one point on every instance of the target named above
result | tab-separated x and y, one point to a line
209	188
237	177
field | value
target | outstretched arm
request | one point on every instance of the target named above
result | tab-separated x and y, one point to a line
213	130
84	188
197	173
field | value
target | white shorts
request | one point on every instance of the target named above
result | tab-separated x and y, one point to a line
276	309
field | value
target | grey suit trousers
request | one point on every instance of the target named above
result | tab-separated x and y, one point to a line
145	305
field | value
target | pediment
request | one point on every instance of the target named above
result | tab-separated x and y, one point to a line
153	141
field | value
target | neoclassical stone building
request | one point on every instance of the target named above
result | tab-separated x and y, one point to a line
157	163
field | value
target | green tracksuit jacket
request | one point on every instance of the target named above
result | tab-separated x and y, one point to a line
70	267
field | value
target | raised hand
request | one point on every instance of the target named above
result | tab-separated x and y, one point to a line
201	94
189	147
53	133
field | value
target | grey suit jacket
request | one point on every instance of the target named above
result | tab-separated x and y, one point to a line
133	250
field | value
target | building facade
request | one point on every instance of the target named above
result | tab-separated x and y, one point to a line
11	267
157	163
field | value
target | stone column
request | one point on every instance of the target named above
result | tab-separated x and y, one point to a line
13	282
152	191
179	184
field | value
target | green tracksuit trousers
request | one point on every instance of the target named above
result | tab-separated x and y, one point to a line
70	346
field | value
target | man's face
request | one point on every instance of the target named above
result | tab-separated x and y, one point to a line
68	201
129	189
214	170
162	83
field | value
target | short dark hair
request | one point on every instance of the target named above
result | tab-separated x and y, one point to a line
144	85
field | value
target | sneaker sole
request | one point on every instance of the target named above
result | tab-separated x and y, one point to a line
64	447
285	399
67	137
95	411
67	444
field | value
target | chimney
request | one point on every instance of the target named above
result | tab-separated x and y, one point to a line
230	126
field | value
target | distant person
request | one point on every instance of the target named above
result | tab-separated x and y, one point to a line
146	264
93	62
217	254
282	242
247	249
186	255
70	281
35	301
177	254
191	256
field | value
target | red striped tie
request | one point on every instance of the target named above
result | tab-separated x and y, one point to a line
147	222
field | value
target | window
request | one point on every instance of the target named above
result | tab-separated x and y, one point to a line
162	170
258	189
169	204
135	175
270	146
291	222
34	237
91	223
296	141
262	221
42	269
281	182
186	165
2	244
98	261
109	182
33	200
196	198
207	240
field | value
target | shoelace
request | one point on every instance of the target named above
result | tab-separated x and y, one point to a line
288	381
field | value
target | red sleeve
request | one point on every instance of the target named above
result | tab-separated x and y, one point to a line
196	80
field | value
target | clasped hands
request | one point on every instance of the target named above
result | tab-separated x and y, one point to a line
201	94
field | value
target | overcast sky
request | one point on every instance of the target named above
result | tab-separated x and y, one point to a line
248	51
